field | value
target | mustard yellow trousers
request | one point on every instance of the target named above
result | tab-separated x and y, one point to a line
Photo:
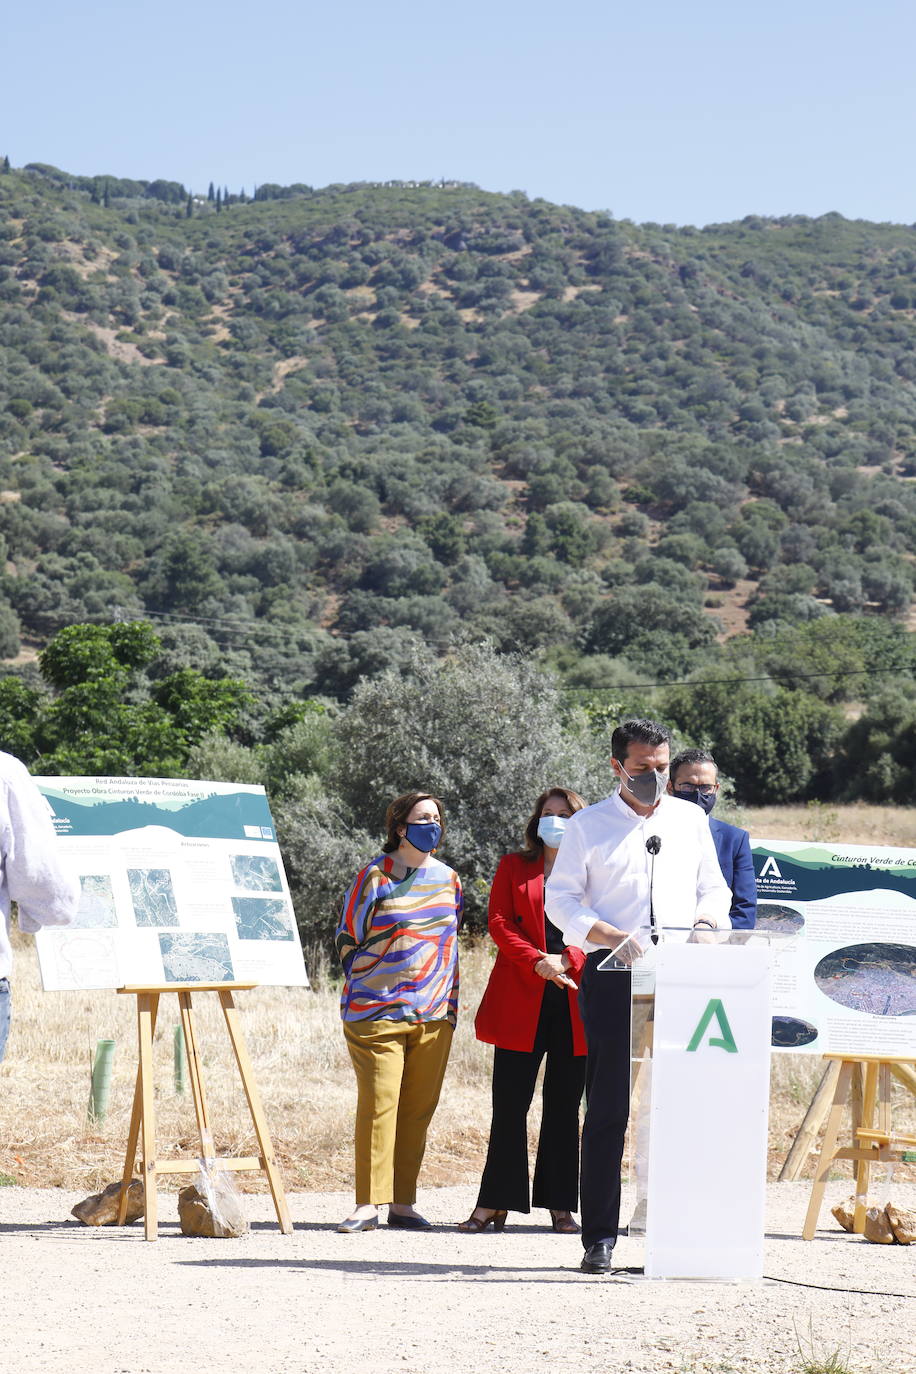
399	1069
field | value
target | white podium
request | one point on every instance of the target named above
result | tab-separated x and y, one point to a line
698	1128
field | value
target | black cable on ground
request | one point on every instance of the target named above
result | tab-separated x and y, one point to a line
637	1269
826	1288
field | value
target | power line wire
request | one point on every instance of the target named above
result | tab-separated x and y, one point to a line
255	627
241	629
735	681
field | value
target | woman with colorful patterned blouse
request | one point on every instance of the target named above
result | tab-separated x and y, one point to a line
398	943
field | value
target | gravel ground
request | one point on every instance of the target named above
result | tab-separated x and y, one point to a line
80	1300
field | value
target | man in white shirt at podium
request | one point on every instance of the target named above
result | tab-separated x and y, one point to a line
634	863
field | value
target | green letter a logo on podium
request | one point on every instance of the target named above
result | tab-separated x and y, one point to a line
725	1041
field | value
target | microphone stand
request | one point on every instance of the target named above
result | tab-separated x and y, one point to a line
653	845
613	960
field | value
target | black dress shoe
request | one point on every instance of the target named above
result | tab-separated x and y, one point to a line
358	1224
597	1258
408	1223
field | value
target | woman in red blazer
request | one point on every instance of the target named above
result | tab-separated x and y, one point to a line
530	1009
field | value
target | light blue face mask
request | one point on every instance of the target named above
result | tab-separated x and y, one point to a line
551	830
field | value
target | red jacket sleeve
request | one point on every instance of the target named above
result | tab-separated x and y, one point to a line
504	922
576	959
508	1014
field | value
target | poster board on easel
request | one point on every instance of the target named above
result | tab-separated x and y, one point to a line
182	881
182	889
843	923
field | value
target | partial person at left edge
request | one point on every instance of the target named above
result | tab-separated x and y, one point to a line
32	871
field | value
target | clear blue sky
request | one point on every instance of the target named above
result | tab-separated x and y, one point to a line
678	112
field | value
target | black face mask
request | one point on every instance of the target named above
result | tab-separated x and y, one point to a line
693	794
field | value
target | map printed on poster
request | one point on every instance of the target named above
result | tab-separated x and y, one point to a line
182	882
843	922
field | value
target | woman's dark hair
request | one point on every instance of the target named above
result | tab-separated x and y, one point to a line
534	845
397	814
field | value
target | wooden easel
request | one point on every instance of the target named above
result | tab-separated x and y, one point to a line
873	1139
143	1120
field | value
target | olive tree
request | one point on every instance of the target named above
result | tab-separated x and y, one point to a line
323	850
484	732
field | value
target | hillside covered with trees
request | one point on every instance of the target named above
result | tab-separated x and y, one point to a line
315	434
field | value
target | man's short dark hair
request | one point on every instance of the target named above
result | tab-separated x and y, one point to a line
688	756
636	731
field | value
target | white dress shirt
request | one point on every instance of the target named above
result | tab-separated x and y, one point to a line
32	870
601	872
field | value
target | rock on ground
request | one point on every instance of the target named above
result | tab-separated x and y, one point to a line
101	1209
196	1216
903	1223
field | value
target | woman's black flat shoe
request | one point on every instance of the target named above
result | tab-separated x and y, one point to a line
408	1223
358	1224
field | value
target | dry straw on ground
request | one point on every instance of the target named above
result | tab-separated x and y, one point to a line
857	823
302	1067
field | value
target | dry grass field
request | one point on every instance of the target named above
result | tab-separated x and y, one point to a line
302	1067
857	823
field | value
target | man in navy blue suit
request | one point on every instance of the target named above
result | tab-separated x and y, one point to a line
694	777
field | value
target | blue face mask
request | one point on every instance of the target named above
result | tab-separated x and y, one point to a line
551	830
424	835
706	800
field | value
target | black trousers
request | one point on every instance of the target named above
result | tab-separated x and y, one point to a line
604	1001
504	1184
